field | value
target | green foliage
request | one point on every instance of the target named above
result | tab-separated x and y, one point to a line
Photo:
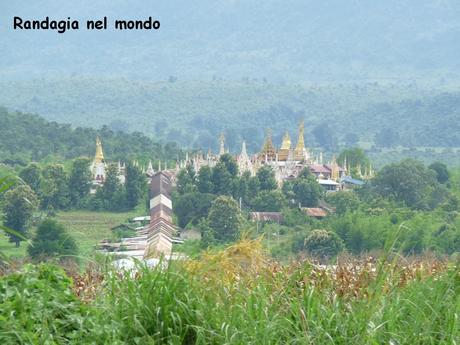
45	309
19	205
442	174
26	137
409	182
230	164
79	180
204	182
224	219
343	201
135	186
51	240
353	157
186	180
304	191
192	207
222	180
266	178
269	201
111	195
266	308
31	175
323	244
54	188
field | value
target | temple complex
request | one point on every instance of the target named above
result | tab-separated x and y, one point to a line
286	162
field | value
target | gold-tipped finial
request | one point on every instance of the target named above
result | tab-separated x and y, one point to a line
286	144
99	156
300	147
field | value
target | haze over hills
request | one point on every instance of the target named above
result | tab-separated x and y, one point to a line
377	73
278	40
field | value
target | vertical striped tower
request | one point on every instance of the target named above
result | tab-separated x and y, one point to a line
160	231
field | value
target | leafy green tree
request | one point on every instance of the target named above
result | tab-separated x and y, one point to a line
266	177
135	185
111	193
19	205
253	187
31	175
343	201
409	182
186	180
192	207
222	180
79	180
242	187
224	219
442	174
54	187
51	240
269	201
323	244
230	164
304	190
204	181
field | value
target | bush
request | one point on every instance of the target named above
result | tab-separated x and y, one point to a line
51	240
45	309
323	244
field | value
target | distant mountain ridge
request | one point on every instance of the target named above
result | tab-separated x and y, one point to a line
332	40
195	113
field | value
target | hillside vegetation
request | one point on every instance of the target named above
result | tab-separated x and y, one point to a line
194	113
26	137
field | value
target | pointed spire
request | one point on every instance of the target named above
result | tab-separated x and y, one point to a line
99	156
150	170
221	144
159	165
334	169
300	147
286	144
268	150
244	153
321	158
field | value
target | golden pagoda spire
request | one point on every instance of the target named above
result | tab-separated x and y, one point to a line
99	156
286	144
268	149
300	147
334	169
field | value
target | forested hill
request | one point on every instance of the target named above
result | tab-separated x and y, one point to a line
280	40
25	138
194	113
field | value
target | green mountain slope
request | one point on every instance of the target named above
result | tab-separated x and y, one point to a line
25	138
194	113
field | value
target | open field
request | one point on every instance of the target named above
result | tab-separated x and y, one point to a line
88	228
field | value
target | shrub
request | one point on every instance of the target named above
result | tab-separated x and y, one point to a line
323	243
51	240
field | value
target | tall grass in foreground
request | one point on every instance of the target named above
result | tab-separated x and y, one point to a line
238	296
